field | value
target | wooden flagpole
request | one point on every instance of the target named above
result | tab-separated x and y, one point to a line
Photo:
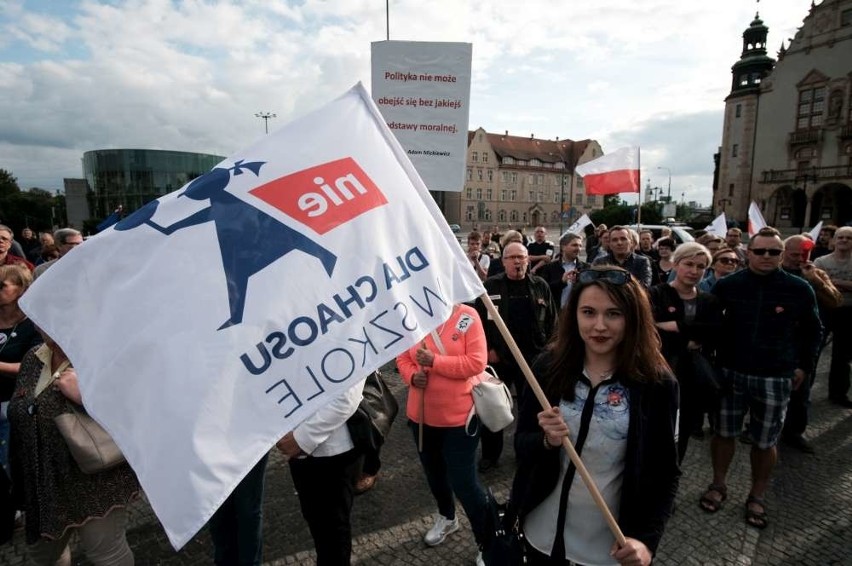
422	409
566	442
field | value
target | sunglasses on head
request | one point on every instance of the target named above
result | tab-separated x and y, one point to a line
615	276
773	252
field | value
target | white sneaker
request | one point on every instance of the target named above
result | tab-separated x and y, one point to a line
479	560
440	530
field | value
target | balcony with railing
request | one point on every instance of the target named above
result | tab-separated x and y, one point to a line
812	174
801	137
846	132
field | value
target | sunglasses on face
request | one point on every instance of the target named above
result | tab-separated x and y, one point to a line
772	252
615	276
728	260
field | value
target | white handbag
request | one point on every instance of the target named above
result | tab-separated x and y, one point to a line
492	401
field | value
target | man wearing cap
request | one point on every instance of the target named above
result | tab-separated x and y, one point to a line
828	298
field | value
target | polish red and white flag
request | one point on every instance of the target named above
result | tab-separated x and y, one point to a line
613	173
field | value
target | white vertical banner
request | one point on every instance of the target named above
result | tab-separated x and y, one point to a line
423	92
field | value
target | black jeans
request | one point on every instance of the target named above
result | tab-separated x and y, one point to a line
372	462
492	442
237	526
325	492
536	558
841	353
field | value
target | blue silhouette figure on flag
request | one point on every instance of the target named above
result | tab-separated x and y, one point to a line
249	239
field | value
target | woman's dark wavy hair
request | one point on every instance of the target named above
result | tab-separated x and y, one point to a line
638	357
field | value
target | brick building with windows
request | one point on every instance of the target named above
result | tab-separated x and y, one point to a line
787	133
516	181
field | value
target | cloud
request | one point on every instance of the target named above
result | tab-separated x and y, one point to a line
190	74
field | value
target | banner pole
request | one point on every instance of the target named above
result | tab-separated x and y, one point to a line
566	442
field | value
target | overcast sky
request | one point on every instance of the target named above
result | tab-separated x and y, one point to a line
189	75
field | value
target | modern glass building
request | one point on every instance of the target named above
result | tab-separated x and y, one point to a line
132	177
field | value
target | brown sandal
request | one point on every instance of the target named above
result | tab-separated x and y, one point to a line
364	484
711	504
754	518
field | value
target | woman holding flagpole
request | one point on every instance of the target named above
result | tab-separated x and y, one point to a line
614	395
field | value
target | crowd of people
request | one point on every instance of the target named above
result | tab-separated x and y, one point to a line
636	346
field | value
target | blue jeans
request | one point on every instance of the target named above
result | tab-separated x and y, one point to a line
237	526
449	460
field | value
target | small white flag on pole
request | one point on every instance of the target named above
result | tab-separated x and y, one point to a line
323	253
755	220
719	226
815	232
578	225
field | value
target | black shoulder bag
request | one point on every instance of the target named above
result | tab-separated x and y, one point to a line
371	423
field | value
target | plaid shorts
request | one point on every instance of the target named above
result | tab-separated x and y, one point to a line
765	398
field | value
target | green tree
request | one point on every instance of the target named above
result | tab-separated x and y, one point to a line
8	183
618	211
37	209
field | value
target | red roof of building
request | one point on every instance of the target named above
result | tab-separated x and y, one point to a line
546	151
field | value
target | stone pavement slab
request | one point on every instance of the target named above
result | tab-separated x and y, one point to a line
809	505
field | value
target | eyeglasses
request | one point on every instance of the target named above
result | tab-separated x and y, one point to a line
728	260
773	252
614	276
514	257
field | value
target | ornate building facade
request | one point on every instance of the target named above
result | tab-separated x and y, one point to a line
787	134
516	181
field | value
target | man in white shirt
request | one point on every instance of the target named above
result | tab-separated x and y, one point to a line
838	265
324	466
480	261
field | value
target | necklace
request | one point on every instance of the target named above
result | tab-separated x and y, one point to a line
601	375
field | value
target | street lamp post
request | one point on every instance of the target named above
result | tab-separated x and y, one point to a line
265	116
669	194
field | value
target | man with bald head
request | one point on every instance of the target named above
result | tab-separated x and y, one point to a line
795	262
527	307
838	265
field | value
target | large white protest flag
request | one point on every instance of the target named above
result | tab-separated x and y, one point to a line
212	321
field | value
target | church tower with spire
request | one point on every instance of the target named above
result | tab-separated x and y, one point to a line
733	190
787	131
